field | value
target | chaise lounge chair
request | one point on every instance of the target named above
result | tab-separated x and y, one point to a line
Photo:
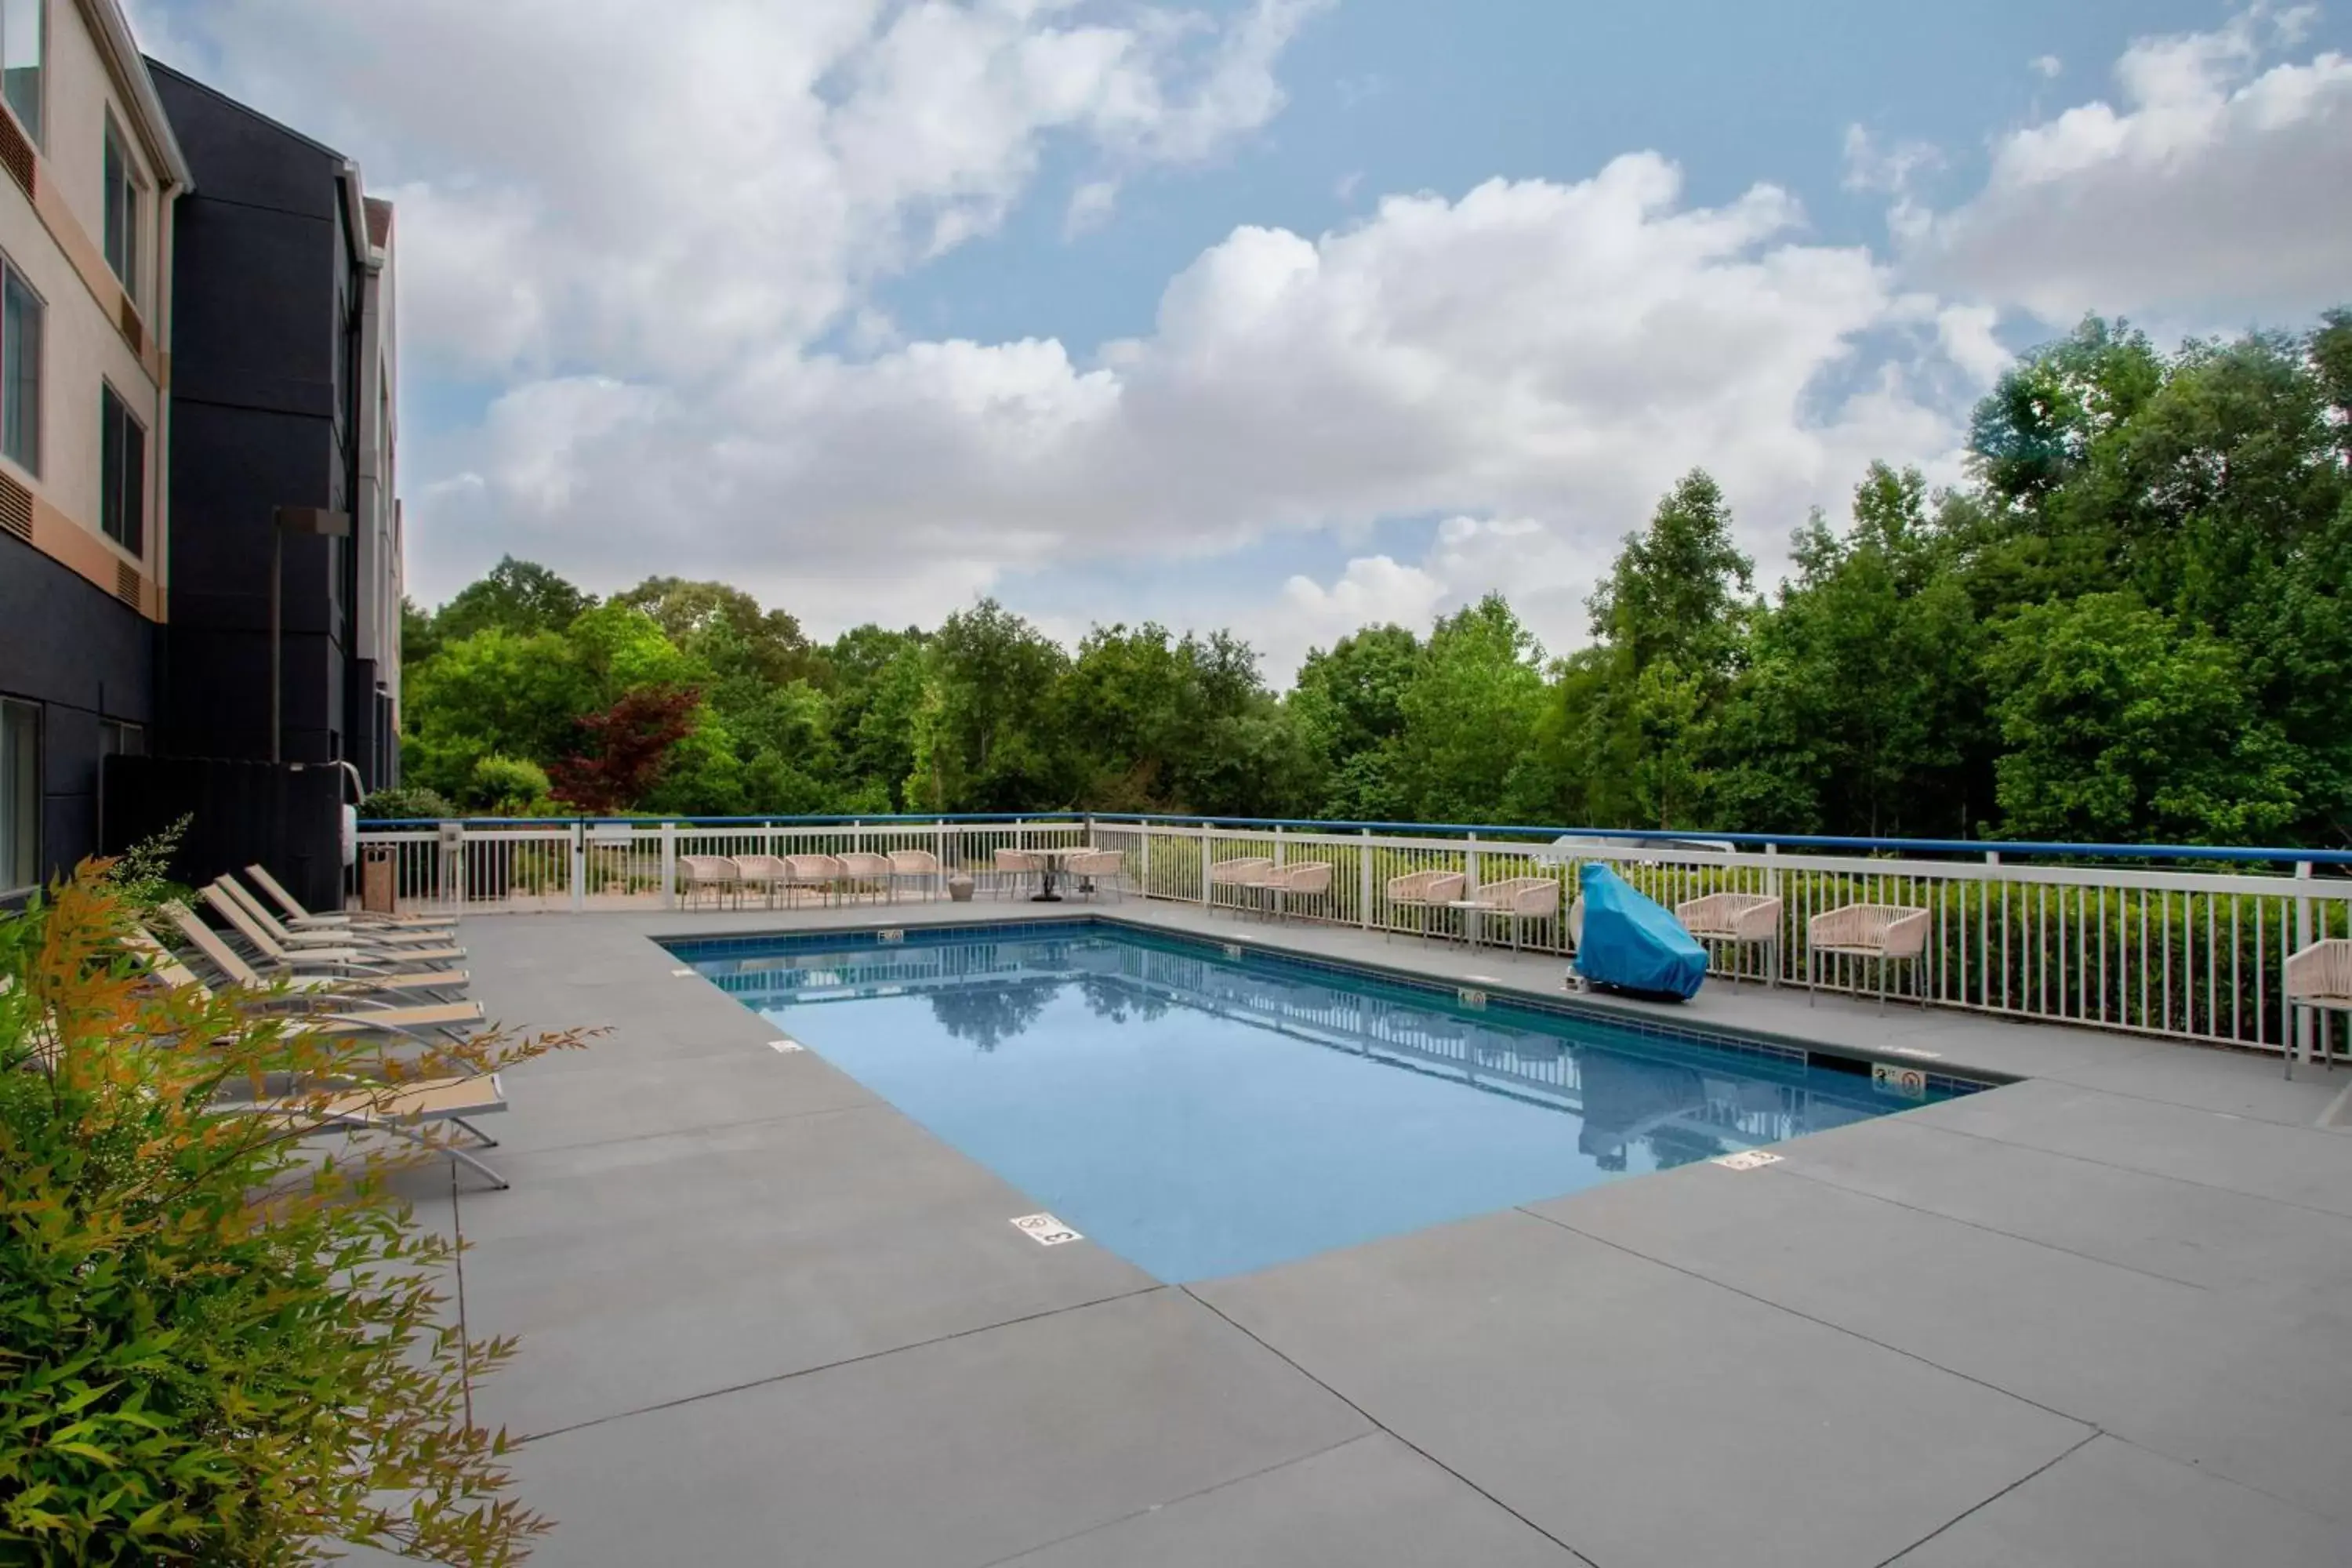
397	1109
301	919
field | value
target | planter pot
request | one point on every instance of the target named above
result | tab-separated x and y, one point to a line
960	889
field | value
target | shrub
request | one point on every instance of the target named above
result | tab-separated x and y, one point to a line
510	786
405	803
215	1344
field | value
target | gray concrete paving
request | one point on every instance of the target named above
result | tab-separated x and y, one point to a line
2100	1315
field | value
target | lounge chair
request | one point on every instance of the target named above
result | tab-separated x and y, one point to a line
1742	919
1518	900
277	953
386	938
1424	891
713	873
2320	976
1015	868
1242	875
352	1004
301	919
920	866
861	869
1891	934
398	1110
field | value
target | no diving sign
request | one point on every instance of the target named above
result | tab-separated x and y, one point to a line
1045	1229
1904	1083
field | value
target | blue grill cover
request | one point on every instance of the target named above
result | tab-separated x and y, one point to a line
1632	944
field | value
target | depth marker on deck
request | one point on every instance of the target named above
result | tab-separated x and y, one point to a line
683	973
1747	1159
786	1046
1045	1229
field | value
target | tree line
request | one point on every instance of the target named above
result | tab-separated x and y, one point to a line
2133	621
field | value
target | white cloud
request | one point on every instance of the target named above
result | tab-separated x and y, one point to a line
599	185
2214	191
2049	68
654	271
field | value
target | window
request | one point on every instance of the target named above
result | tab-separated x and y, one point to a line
22	44
121	473
22	317
117	739
121	211
20	796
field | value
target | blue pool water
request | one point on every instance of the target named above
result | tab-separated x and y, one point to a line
1204	1115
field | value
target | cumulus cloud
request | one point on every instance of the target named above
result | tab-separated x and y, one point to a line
1553	355
662	250
2211	189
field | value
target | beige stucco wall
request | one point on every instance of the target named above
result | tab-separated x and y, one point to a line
56	243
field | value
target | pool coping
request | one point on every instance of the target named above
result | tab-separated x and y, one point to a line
1950	1076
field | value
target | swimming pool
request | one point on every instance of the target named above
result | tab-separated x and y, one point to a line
1203	1114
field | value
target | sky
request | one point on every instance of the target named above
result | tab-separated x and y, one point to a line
1285	316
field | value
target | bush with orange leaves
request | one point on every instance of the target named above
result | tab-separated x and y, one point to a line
220	1342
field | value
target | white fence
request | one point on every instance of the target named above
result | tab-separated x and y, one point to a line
2180	952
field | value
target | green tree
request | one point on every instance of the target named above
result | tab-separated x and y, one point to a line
1468	714
517	597
2119	724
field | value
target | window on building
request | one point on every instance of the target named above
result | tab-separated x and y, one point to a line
121	473
22	319
23	42
117	739
121	211
20	796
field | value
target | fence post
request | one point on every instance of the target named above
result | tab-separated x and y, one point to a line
670	865
1146	872
1277	846
939	837
1365	860
1470	866
2301	1045
578	867
1206	900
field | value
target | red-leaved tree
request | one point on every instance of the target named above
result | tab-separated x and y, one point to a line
624	749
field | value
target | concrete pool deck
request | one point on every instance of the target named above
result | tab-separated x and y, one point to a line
2101	1315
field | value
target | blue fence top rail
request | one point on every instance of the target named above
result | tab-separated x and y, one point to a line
2209	854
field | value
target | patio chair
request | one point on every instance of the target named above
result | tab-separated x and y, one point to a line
1017	868
396	1109
822	872
1424	891
1890	933
764	872
714	874
863	871
1518	900
300	918
375	939
1246	873
2320	978
1298	880
1742	919
353	953
1096	870
920	866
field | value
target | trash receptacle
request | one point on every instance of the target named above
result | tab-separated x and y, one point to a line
375	882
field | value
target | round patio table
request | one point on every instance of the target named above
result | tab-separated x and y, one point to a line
1054	860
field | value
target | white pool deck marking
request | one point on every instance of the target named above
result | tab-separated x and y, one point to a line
1045	1229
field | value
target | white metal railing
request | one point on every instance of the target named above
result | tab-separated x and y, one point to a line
2176	953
